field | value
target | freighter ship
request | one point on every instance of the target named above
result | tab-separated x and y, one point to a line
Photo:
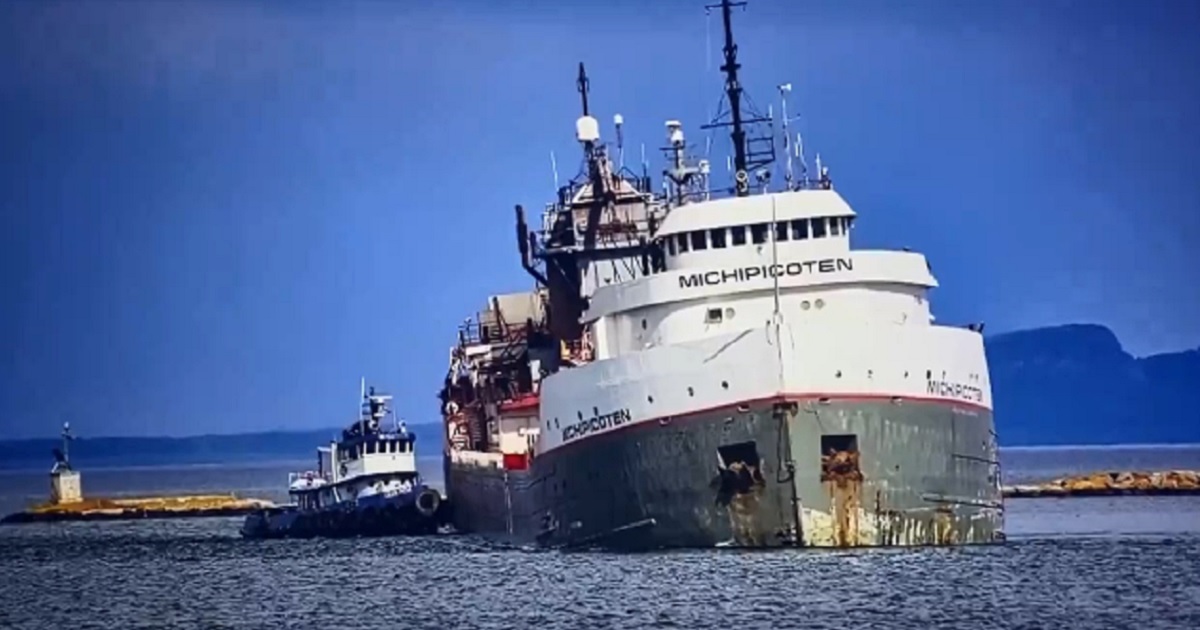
703	366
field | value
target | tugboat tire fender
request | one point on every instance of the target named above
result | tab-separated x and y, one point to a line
428	502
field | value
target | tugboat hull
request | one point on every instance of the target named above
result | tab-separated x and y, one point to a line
412	514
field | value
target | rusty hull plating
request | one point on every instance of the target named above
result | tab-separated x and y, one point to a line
835	473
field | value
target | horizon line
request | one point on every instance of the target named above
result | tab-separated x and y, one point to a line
193	436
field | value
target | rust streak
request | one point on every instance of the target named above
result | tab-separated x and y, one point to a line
843	478
740	487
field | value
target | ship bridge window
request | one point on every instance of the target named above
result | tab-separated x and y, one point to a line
758	233
670	246
718	237
738	234
683	242
699	242
835	226
818	228
781	231
799	229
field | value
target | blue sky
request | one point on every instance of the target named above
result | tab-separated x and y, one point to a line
217	216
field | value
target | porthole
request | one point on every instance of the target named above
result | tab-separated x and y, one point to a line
650	399
729	313
691	392
819	303
839	374
805	305
725	384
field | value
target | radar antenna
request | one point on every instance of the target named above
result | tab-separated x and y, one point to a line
745	157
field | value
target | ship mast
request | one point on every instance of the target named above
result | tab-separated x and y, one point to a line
599	224
745	157
588	133
733	89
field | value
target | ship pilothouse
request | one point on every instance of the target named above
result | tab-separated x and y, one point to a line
695	257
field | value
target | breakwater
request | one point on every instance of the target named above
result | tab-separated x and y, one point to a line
99	509
1172	482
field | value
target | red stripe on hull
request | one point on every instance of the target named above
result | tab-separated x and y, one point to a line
785	398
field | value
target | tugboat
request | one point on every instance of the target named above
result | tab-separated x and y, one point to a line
365	484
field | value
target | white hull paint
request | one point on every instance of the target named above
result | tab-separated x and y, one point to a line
931	362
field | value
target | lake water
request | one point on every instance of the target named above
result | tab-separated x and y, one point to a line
1074	563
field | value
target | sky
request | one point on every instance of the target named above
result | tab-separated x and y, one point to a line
217	216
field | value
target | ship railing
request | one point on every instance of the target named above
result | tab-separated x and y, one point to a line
804	183
489	459
474	333
611	232
477	458
293	477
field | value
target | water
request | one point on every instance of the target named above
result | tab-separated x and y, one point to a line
1076	563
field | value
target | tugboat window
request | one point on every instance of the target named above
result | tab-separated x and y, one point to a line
683	243
670	246
818	228
835	224
698	241
713	316
781	231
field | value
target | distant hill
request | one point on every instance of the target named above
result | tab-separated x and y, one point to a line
98	452
1075	384
1070	384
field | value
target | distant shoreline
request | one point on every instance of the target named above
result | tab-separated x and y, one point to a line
1103	447
331	431
298	463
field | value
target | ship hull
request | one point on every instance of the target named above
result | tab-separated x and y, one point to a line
501	504
760	474
754	475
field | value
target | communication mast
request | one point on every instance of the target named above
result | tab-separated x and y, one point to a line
750	152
